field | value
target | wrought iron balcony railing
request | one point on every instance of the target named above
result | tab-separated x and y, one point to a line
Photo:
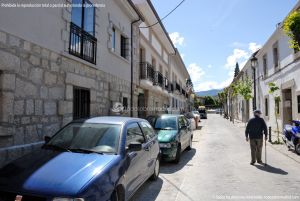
158	79
146	71
82	44
178	88
166	83
183	92
171	88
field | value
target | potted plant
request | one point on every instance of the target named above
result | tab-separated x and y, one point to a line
291	27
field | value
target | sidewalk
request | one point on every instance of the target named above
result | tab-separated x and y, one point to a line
282	148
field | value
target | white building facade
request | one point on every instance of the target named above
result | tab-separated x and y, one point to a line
280	64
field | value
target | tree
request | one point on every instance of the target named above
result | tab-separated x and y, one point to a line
196	102
244	88
209	101
273	90
233	92
237	69
291	27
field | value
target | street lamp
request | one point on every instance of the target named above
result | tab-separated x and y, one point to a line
254	64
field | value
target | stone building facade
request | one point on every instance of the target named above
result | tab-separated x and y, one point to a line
40	79
163	74
56	67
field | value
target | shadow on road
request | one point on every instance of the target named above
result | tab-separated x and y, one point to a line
271	169
149	191
170	168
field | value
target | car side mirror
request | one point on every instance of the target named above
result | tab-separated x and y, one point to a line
47	139
135	146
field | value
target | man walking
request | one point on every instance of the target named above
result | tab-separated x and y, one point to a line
255	130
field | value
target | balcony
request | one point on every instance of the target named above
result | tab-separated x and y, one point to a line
166	83
146	71
171	88
177	87
158	79
82	44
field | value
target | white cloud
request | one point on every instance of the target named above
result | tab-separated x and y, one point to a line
205	86
241	53
182	56
196	72
176	38
253	47
236	56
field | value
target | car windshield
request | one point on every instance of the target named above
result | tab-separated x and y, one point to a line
195	112
87	138
165	123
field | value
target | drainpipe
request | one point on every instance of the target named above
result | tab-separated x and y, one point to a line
254	98
131	67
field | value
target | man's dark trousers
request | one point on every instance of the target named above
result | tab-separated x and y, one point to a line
256	146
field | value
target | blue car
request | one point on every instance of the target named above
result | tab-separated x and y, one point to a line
99	159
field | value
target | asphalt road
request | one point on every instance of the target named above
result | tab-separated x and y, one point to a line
217	168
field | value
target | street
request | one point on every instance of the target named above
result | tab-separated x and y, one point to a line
218	167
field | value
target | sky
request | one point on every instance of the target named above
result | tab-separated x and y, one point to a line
212	35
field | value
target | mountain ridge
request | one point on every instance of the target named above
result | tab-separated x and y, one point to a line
212	92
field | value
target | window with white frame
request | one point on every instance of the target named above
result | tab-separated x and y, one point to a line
123	46
113	39
276	55
265	65
266	106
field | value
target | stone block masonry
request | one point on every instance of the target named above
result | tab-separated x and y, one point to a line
36	93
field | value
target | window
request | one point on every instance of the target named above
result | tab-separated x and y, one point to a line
134	134
113	40
266	107
153	63
123	47
82	42
81	103
276	55
148	130
125	103
298	101
265	65
96	137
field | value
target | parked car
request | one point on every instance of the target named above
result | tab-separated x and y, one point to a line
192	120
103	158
196	114
203	113
174	135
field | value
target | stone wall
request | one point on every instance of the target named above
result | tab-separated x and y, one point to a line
152	98
36	93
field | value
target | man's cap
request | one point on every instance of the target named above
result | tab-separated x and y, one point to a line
257	112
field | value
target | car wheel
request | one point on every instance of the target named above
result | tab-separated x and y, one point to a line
190	145
155	174
178	154
297	149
